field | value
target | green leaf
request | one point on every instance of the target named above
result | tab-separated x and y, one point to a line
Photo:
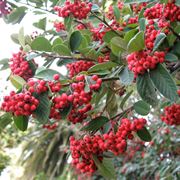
5	119
136	43
129	35
63	62
17	15
41	24
57	41
4	64
159	39
126	76
43	110
46	74
177	2
144	135
102	66
21	37
41	44
108	36
164	82
106	168
68	22
125	99
31	56
136	1
146	89
171	57
17	81
65	112
14	38
118	45
142	24
142	108
95	8
116	13
95	124
75	40
61	49
21	122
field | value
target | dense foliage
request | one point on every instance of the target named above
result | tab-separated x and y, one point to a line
121	89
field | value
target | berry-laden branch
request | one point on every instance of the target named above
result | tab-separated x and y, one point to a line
68	57
103	80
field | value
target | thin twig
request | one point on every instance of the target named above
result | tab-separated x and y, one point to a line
104	21
121	113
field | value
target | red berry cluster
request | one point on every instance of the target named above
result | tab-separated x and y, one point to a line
132	20
83	149
138	7
110	13
140	62
41	86
171	115
19	66
78	66
170	11
78	99
4	9
98	32
105	58
78	9
59	26
151	32
20	104
50	126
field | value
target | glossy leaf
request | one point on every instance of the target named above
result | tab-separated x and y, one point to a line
146	89
126	76
75	40
144	135
17	15
118	45
43	110
46	74
41	44
17	81
41	24
102	66
171	57
21	122
164	82
95	124
106	168
159	39
61	49
136	43
141	108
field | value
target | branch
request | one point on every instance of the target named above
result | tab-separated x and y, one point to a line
122	113
105	22
69	57
103	79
